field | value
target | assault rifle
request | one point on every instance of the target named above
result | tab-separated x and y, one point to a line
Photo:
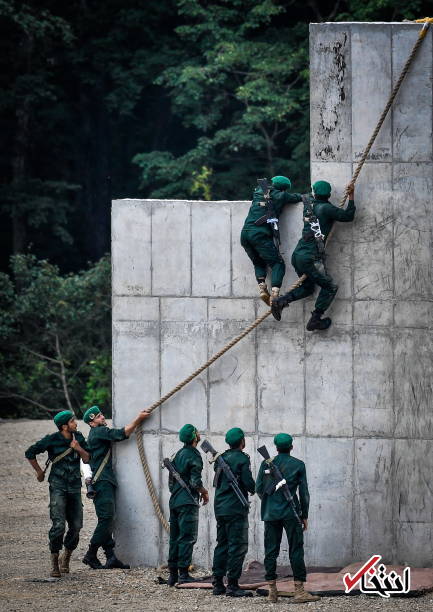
223	466
314	223
270	216
279	482
175	474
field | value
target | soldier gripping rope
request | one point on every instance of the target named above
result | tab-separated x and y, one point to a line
65	448
259	235
278	511
104	484
233	481
309	255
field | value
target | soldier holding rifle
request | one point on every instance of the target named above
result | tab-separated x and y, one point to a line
233	481
277	484
65	448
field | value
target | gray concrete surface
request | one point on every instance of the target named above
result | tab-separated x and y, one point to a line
357	398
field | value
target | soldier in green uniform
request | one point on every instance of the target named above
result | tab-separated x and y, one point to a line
232	517
65	447
183	512
258	241
307	258
99	444
277	514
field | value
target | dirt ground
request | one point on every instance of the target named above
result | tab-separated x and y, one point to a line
24	556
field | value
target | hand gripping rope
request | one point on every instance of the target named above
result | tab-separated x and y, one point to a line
155	501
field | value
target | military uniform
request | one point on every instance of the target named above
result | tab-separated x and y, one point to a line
307	259
232	517
99	443
65	489
183	513
258	241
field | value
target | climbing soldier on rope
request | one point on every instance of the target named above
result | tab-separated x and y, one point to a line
309	255
104	482
185	491
259	234
65	447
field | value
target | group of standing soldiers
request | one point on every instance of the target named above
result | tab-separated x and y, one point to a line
233	484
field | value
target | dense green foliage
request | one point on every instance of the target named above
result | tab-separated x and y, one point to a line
125	98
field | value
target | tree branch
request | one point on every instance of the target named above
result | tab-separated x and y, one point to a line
63	375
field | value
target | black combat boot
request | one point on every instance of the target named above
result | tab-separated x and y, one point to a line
184	575
174	576
278	304
112	561
91	559
316	322
234	590
218	585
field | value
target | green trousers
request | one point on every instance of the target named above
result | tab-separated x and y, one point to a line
105	508
262	251
232	546
183	535
65	507
317	275
295	539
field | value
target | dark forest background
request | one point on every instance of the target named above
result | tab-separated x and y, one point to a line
128	98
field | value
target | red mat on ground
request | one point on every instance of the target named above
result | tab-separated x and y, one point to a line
324	581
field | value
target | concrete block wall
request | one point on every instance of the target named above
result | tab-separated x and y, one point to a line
357	398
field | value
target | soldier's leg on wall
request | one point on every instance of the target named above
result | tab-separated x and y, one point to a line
295	539
257	261
104	507
273	534
328	288
188	530
173	549
219	566
58	519
270	255
237	527
74	517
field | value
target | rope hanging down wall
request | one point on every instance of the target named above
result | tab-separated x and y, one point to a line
422	34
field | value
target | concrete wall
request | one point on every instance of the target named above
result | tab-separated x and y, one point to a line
357	398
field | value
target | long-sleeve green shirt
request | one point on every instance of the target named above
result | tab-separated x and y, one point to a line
275	506
65	474
99	441
326	213
226	501
189	465
258	208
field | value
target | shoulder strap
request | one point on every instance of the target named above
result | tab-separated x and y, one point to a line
102	465
58	458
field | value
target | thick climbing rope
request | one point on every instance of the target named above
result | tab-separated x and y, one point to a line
422	34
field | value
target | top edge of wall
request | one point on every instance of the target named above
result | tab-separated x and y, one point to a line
367	23
173	200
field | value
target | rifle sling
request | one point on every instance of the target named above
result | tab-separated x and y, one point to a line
58	458
102	466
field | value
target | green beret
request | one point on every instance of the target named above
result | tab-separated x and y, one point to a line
322	188
63	417
234	436
281	183
90	414
283	441
187	434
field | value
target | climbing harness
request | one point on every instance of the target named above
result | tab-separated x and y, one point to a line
139	432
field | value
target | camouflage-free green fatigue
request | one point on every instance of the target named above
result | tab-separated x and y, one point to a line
232	517
65	489
183	513
306	258
277	514
99	442
257	240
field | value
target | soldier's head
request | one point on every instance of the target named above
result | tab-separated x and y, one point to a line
321	190
66	421
281	182
189	435
235	438
94	417
283	442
